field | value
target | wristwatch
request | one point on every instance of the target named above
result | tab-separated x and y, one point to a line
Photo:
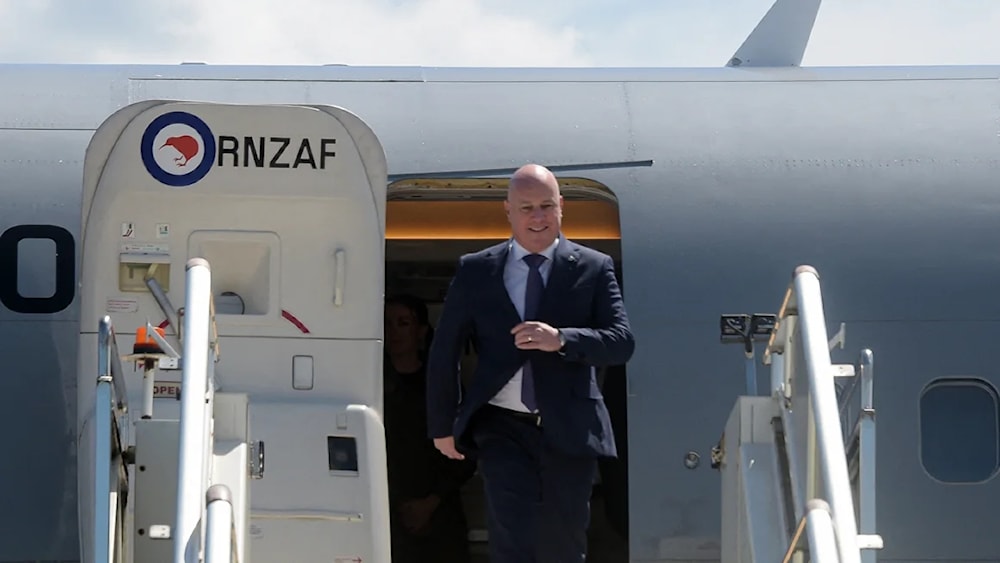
562	340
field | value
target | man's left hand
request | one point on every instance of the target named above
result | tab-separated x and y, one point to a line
536	335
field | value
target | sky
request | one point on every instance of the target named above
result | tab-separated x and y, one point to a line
603	33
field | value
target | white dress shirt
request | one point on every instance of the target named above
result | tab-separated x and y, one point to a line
515	278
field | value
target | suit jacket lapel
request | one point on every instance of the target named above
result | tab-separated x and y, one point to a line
499	257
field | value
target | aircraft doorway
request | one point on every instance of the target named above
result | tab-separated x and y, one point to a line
429	225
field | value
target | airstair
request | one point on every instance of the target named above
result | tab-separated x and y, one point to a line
192	472
798	465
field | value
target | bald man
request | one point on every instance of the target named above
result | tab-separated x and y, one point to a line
544	313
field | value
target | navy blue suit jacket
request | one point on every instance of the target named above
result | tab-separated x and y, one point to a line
581	297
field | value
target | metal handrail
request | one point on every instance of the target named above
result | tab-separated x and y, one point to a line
819	532
825	411
109	362
213	330
164	302
865	435
220	527
800	350
822	536
195	359
111	399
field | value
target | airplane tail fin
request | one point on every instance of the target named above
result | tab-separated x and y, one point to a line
781	37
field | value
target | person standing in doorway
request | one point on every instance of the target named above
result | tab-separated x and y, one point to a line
426	516
544	313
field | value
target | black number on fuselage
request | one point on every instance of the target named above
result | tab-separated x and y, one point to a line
65	266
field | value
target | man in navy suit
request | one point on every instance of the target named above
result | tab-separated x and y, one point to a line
544	313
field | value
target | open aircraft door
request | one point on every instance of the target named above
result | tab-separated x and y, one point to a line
287	205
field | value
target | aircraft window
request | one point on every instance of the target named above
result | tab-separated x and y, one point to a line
960	430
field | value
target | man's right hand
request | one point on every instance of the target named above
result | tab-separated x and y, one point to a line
446	446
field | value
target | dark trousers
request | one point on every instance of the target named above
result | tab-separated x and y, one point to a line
538	500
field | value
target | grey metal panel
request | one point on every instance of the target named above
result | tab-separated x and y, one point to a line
428	127
154	499
758	467
40	183
747	186
347	73
268	73
75	97
920	518
38	431
743	167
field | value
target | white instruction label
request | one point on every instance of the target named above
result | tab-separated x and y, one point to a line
145	248
121	305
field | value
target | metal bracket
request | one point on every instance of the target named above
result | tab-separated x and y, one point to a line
257	460
164	345
839	338
747	329
719	452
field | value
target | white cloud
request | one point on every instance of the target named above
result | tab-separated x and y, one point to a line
704	34
72	32
847	32
421	32
910	32
484	32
